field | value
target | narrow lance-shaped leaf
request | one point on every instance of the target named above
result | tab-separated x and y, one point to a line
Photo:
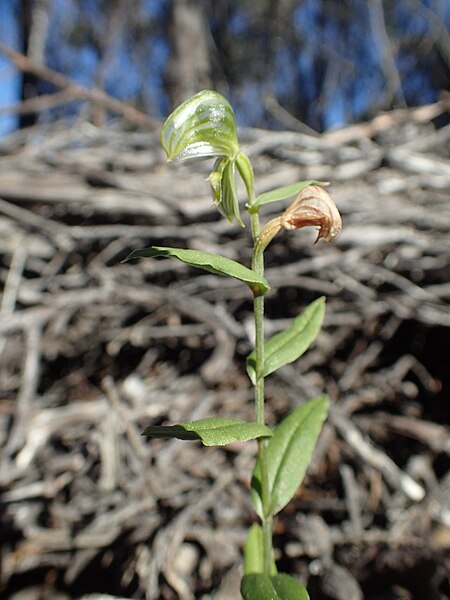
202	126
288	345
276	587
209	262
244	166
283	193
288	454
211	432
254	552
229	197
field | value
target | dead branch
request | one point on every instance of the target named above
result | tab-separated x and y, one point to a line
76	91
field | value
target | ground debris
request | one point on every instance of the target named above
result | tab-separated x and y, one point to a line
93	350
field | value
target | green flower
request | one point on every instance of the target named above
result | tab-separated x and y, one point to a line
205	126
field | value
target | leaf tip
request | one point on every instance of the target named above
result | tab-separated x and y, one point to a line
127	258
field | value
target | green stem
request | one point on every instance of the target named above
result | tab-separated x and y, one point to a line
258	308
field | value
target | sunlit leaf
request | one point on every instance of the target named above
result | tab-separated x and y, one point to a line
254	552
258	587
202	126
245	169
283	193
289	453
288	345
209	262
229	198
289	588
211	432
276	587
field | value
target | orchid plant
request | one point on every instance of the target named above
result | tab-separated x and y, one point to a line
205	126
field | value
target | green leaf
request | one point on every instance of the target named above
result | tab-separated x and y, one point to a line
286	346
283	193
288	454
202	126
210	262
211	432
258	587
254	552
223	186
244	166
289	588
277	587
229	198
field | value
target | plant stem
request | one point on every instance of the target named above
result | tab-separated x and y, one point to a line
258	315
258	310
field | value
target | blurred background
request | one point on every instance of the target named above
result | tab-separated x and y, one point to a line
322	62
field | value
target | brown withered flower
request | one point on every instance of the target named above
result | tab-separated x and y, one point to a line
314	207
